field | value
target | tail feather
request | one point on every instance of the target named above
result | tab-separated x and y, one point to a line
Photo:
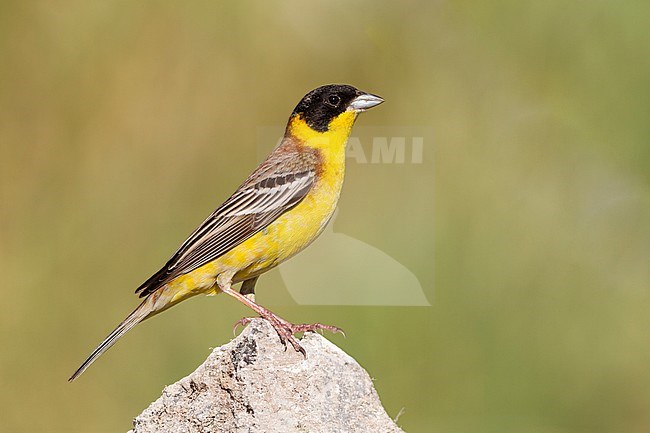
144	310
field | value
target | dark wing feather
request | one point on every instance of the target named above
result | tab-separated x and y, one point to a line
267	193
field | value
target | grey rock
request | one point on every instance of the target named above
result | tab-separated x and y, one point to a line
253	385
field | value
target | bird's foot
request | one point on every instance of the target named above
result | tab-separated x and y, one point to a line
286	329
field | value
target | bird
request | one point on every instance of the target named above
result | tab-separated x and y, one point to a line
274	214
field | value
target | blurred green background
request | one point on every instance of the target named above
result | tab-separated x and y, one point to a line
123	124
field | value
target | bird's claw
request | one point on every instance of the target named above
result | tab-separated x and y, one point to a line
241	322
285	330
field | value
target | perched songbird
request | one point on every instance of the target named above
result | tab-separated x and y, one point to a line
279	210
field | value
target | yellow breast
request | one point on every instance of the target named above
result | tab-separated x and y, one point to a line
297	228
293	230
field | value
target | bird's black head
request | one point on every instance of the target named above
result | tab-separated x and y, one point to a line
318	107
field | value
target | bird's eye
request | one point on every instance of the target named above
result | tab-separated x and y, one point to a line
333	100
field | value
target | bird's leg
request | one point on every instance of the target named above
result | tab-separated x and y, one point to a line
248	288
284	329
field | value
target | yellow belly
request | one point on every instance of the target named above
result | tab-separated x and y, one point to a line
286	236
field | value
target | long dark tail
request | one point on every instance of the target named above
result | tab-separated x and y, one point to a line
144	310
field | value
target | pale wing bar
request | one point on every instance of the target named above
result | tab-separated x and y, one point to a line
240	223
245	213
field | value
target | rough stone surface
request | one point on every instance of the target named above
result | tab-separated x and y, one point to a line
253	385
